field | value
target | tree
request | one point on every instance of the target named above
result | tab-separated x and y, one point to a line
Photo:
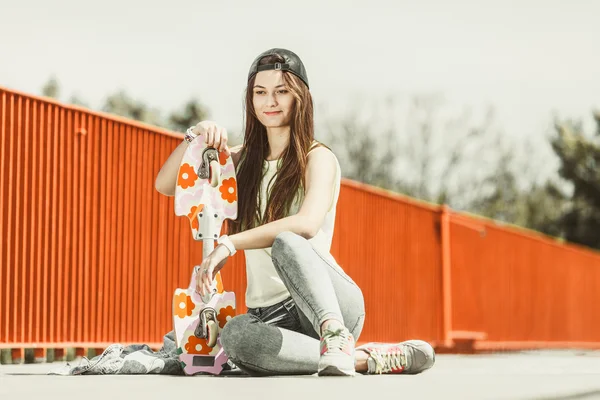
76	100
51	88
570	208
359	147
538	206
120	103
427	151
446	157
579	155
192	113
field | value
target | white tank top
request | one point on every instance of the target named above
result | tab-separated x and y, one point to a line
265	288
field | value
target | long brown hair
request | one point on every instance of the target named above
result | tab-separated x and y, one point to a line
290	176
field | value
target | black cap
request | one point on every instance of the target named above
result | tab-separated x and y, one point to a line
292	63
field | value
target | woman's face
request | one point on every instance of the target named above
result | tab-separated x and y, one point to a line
273	102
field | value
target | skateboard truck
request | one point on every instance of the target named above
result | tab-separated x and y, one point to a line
207	327
210	167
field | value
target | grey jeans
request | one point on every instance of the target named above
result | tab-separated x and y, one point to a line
283	339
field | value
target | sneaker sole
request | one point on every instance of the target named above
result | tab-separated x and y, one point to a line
335	371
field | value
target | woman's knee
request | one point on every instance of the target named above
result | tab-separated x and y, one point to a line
286	246
250	343
235	336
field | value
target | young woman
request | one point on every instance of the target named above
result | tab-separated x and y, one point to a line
304	311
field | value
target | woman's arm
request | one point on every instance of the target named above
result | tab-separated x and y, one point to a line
167	176
320	179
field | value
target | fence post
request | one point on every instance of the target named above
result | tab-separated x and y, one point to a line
446	276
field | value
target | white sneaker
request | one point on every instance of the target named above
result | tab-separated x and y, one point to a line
409	357
337	353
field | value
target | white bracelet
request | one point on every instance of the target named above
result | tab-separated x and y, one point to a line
189	135
225	241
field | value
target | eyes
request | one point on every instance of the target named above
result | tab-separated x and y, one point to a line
262	92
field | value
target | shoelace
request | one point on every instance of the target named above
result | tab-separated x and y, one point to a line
337	339
389	360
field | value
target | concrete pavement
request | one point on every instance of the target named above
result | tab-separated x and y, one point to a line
524	375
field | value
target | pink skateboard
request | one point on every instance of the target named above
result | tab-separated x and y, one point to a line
206	193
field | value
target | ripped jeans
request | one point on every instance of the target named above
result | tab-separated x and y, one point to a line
283	339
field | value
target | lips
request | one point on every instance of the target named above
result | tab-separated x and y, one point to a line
270	114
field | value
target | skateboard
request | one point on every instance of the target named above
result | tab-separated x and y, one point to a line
206	193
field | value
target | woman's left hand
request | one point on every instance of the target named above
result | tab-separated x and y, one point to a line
209	268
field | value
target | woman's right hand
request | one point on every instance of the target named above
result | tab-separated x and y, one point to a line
214	135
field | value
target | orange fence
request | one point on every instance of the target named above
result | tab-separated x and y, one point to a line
391	248
522	290
90	253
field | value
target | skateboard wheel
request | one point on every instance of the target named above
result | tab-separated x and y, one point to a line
213	330
215	173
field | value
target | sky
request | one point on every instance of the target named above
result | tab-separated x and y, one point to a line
528	59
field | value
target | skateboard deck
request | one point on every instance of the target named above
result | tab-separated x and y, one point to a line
206	193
